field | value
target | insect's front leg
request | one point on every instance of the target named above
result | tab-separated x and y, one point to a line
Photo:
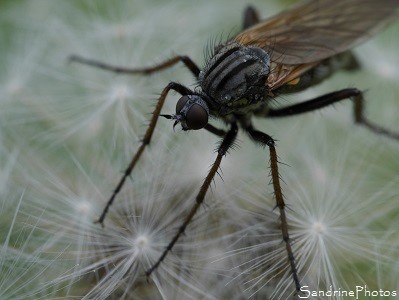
145	141
331	98
227	142
266	140
139	71
214	130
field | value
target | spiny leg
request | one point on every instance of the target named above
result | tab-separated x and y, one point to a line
227	142
331	98
214	130
140	71
358	114
267	140
251	17
145	141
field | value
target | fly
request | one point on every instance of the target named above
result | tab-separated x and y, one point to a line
286	53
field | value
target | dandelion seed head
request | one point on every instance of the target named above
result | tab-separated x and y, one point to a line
120	92
141	241
318	228
142	244
84	207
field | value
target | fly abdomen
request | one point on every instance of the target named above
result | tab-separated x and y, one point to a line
235	72
322	71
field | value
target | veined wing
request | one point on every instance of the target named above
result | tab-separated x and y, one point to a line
318	29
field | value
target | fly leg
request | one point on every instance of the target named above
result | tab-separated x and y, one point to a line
319	102
214	130
251	17
266	140
145	141
227	142
139	71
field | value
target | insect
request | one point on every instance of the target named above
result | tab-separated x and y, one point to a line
287	53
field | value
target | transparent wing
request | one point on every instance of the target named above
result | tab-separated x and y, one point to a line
281	74
318	29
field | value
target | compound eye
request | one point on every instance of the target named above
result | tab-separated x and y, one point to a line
197	117
180	104
192	112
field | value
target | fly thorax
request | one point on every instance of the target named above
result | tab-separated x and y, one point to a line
236	72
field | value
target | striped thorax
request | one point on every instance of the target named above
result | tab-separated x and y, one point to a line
235	76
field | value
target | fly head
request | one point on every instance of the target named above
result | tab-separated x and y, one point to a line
192	112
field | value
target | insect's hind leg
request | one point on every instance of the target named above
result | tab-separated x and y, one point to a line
187	61
251	17
331	98
266	140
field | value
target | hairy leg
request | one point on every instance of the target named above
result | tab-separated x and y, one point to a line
322	101
266	140
139	71
146	140
227	142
